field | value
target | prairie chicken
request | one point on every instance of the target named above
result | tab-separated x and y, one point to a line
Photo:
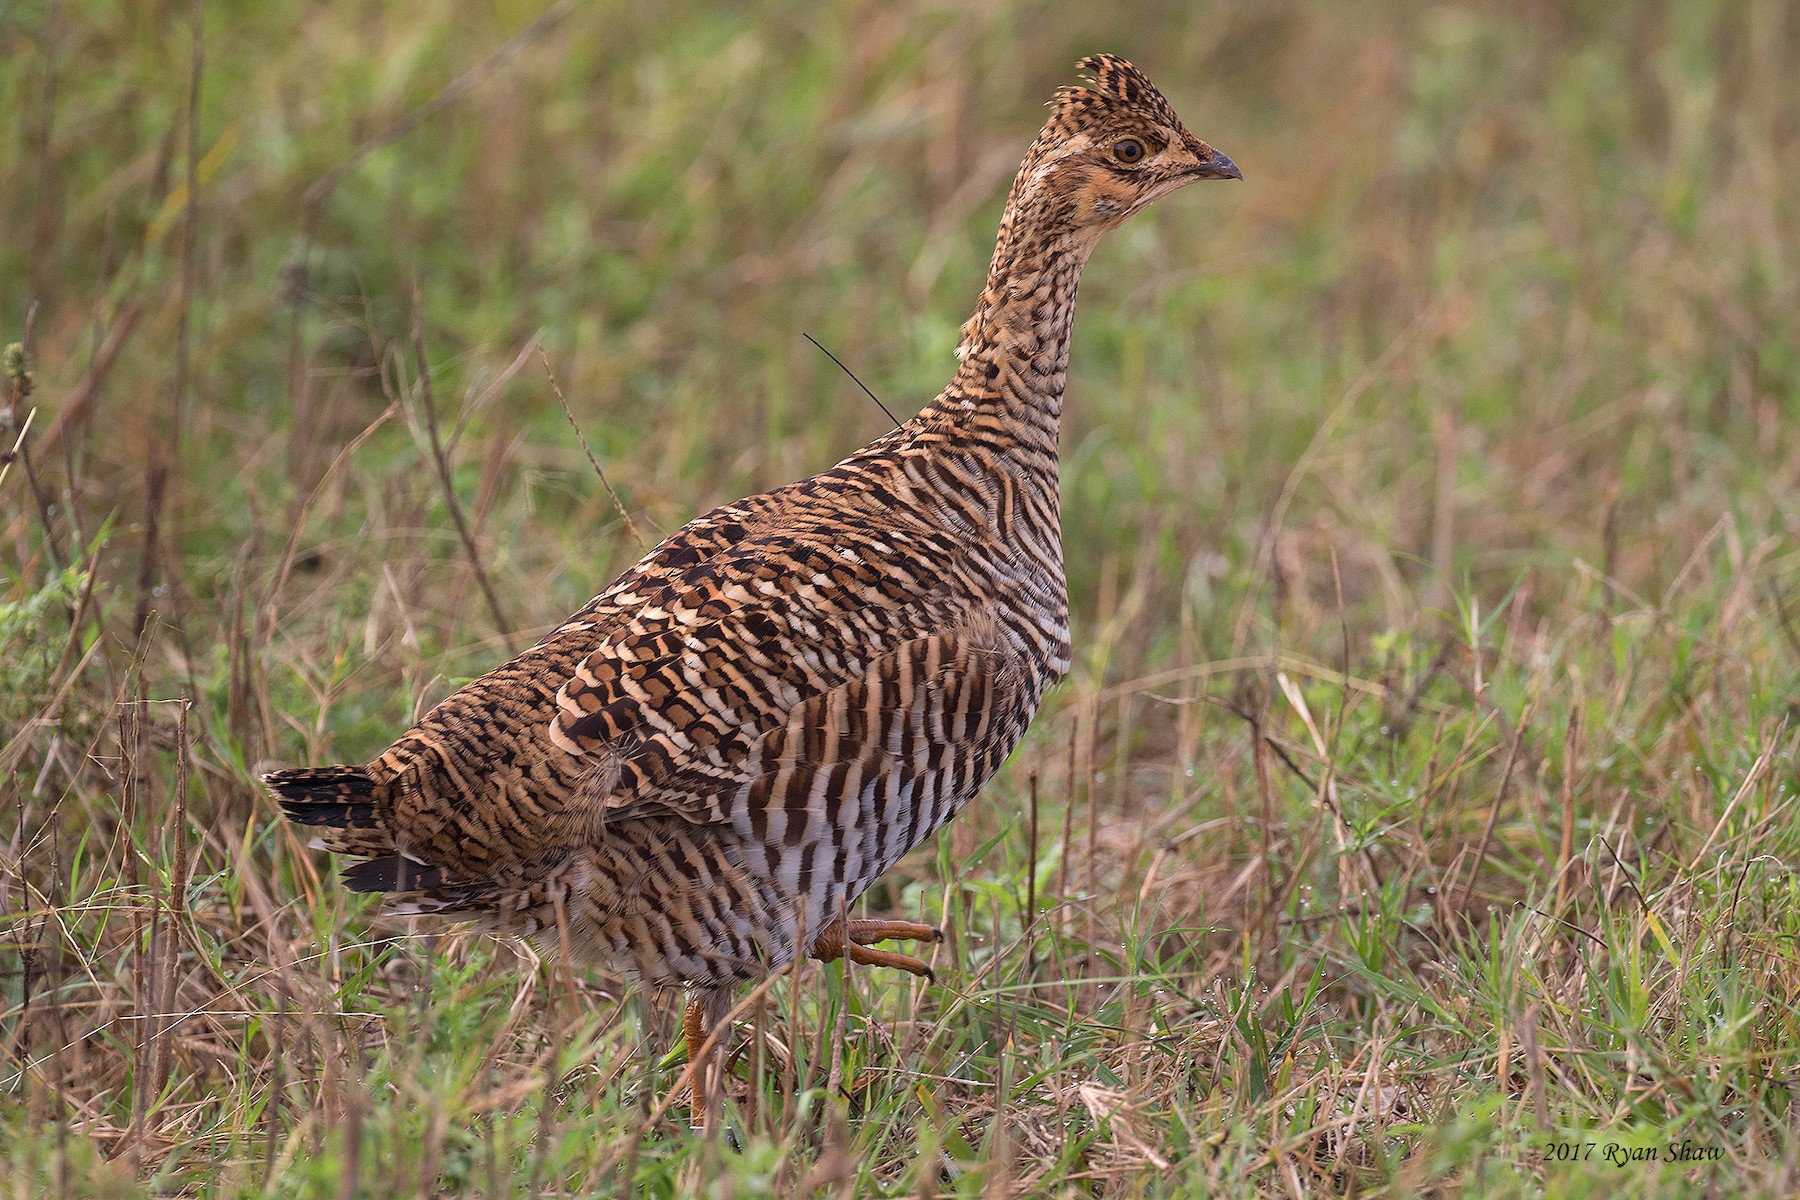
691	779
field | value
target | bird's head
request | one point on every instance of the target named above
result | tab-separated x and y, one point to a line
1111	146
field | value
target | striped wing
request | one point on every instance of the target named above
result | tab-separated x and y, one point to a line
654	697
857	776
476	786
667	714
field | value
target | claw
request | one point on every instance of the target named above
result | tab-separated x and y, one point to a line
865	933
853	938
867	957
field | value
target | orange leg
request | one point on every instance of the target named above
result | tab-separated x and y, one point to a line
708	1077
693	1027
852	938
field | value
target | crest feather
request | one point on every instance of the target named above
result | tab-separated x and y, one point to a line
1109	84
1113	76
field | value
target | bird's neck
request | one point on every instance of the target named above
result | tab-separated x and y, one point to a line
1008	388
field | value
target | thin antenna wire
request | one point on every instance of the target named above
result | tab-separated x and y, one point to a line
630	525
852	374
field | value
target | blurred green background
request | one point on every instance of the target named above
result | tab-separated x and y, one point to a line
1541	255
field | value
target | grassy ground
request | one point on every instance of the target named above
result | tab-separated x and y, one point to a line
1421	809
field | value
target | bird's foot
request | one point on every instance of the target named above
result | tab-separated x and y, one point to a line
852	939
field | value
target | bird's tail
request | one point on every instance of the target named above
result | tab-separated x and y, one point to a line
338	802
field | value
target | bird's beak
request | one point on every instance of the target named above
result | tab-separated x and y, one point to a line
1216	166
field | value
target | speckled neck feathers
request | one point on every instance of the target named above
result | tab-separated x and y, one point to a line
1015	348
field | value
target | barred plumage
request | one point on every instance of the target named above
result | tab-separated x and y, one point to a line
719	753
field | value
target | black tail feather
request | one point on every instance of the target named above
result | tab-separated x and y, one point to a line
341	816
392	873
342	800
342	797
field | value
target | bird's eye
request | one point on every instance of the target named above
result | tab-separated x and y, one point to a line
1128	150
